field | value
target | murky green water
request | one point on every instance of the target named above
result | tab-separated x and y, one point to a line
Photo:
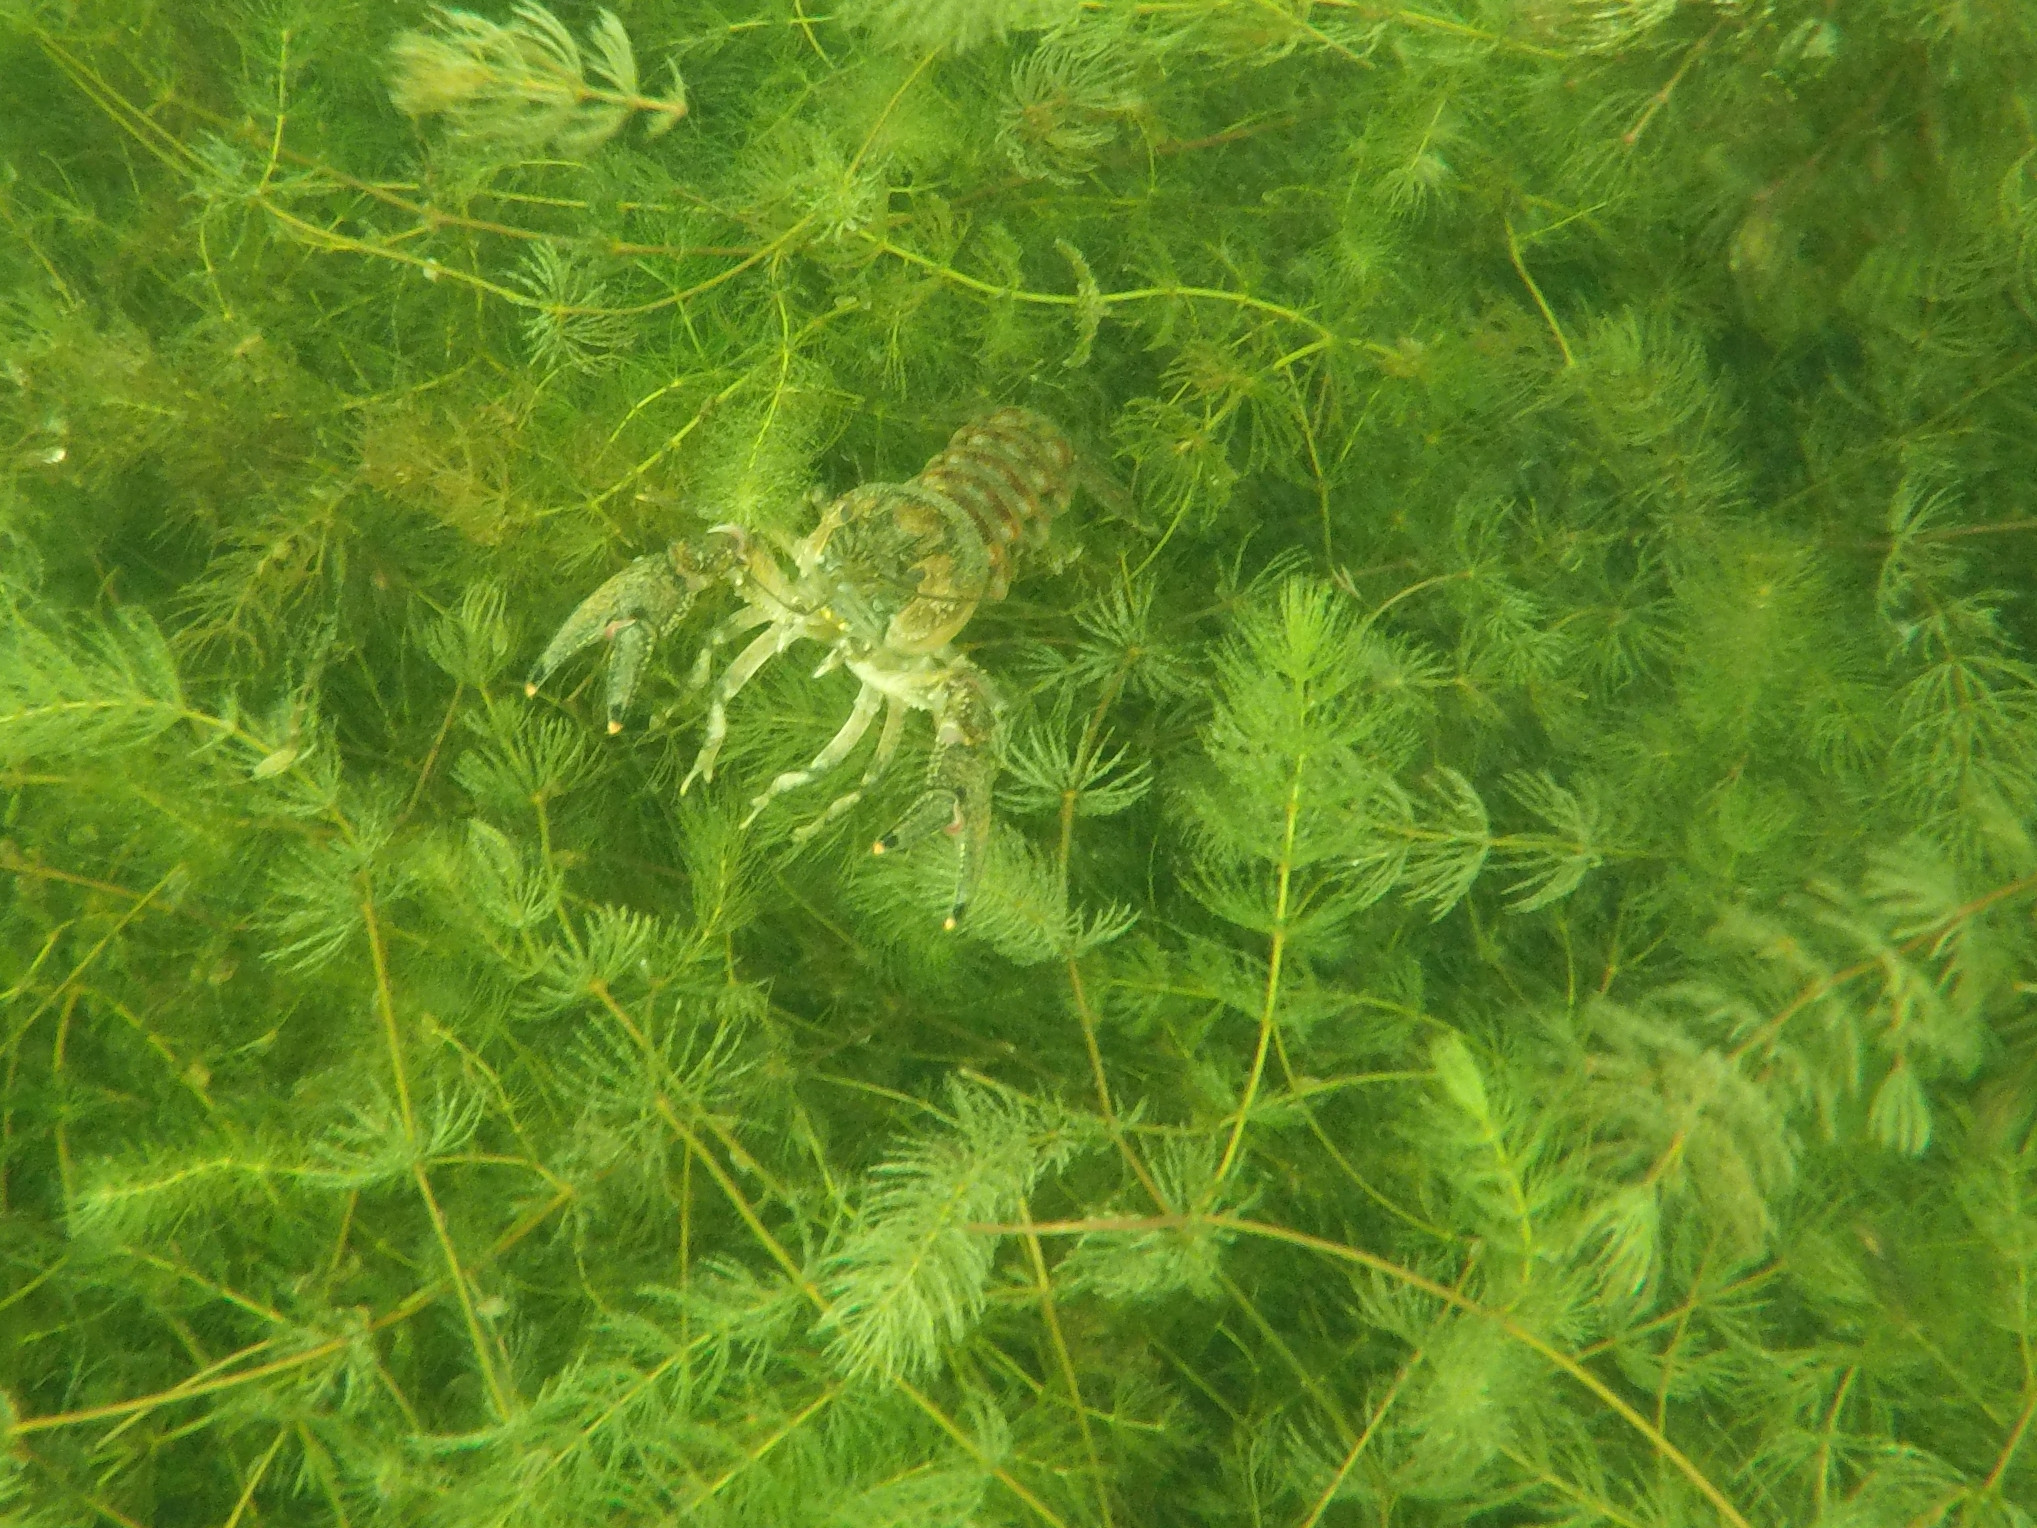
1483	714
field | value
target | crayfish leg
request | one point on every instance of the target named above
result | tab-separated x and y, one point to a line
959	776
861	715
734	677
880	759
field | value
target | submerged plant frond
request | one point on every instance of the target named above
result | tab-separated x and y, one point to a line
911	1275
951	25
523	86
1071	98
573	324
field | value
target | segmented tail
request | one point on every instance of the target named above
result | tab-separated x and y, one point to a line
1011	473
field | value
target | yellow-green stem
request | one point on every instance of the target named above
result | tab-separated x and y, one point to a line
1284	881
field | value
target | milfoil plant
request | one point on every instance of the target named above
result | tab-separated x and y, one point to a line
1496	988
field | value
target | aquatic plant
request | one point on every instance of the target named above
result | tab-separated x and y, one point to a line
1500	988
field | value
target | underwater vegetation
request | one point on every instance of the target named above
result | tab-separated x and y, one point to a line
1473	659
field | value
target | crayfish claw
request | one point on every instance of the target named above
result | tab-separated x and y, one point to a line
631	610
633	642
957	798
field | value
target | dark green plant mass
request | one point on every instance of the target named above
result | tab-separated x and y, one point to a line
1502	991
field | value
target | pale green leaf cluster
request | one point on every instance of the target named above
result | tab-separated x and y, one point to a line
952	25
910	1277
522	87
